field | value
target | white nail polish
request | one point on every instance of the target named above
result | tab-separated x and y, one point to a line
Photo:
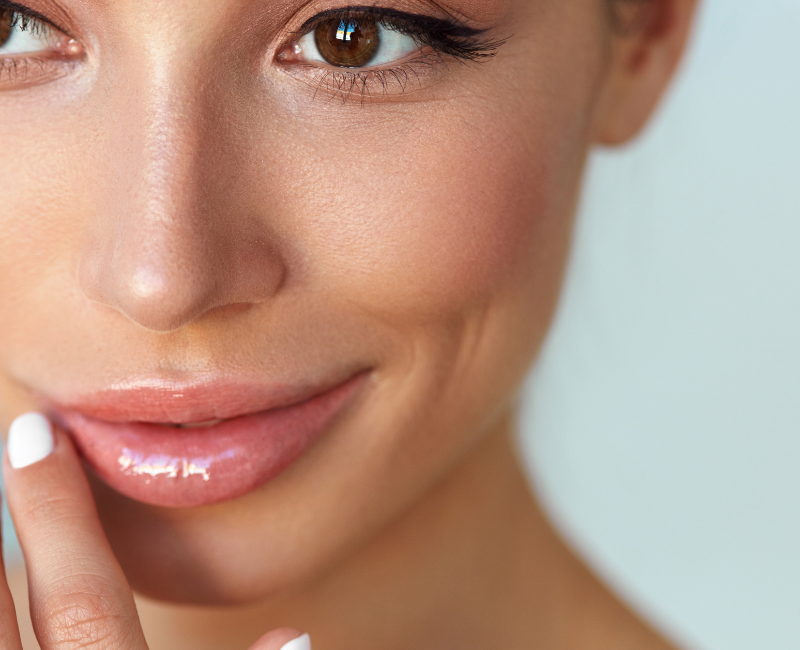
302	643
30	439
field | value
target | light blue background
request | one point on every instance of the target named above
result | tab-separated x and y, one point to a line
662	424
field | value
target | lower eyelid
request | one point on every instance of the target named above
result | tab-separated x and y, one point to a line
402	82
403	67
395	46
32	38
20	71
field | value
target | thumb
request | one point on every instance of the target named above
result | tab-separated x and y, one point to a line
284	638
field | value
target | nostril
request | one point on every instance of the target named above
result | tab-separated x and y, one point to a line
165	287
163	299
165	268
160	294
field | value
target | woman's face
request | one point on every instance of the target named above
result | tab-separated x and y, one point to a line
202	218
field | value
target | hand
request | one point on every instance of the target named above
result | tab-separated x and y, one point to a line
79	596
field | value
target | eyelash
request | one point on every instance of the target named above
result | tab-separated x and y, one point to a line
446	39
15	69
27	22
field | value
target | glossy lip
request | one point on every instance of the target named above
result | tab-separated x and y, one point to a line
240	436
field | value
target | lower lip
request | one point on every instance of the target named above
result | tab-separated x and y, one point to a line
182	468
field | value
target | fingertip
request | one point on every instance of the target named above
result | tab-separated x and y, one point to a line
30	439
300	643
284	638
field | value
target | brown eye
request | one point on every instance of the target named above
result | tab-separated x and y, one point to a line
6	22
348	43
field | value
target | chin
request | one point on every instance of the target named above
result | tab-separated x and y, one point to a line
185	556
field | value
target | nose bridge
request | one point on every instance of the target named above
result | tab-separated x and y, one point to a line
167	242
161	217
166	146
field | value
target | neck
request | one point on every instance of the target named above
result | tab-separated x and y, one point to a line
474	565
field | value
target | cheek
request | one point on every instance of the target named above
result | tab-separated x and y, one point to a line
38	192
454	214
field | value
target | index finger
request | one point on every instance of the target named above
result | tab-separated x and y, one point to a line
79	595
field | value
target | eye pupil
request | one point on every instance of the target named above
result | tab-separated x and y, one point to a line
348	43
6	22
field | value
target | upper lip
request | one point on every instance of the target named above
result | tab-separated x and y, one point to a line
180	402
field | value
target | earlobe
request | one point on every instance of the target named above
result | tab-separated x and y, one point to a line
649	40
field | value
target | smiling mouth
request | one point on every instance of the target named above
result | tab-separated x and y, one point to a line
151	446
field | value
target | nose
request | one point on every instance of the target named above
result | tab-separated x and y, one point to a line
173	236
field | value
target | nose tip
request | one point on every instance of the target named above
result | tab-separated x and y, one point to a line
173	230
163	287
155	302
147	286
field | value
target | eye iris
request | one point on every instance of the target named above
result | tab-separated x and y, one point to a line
6	21
348	43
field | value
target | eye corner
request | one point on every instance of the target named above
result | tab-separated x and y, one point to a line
21	70
413	53
289	53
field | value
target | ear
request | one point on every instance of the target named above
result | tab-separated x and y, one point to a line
649	38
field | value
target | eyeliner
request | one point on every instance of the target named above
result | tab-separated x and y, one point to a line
25	12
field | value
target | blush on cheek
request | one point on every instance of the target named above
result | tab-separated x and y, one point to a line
472	225
459	222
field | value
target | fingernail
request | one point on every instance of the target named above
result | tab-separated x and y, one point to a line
301	643
30	439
